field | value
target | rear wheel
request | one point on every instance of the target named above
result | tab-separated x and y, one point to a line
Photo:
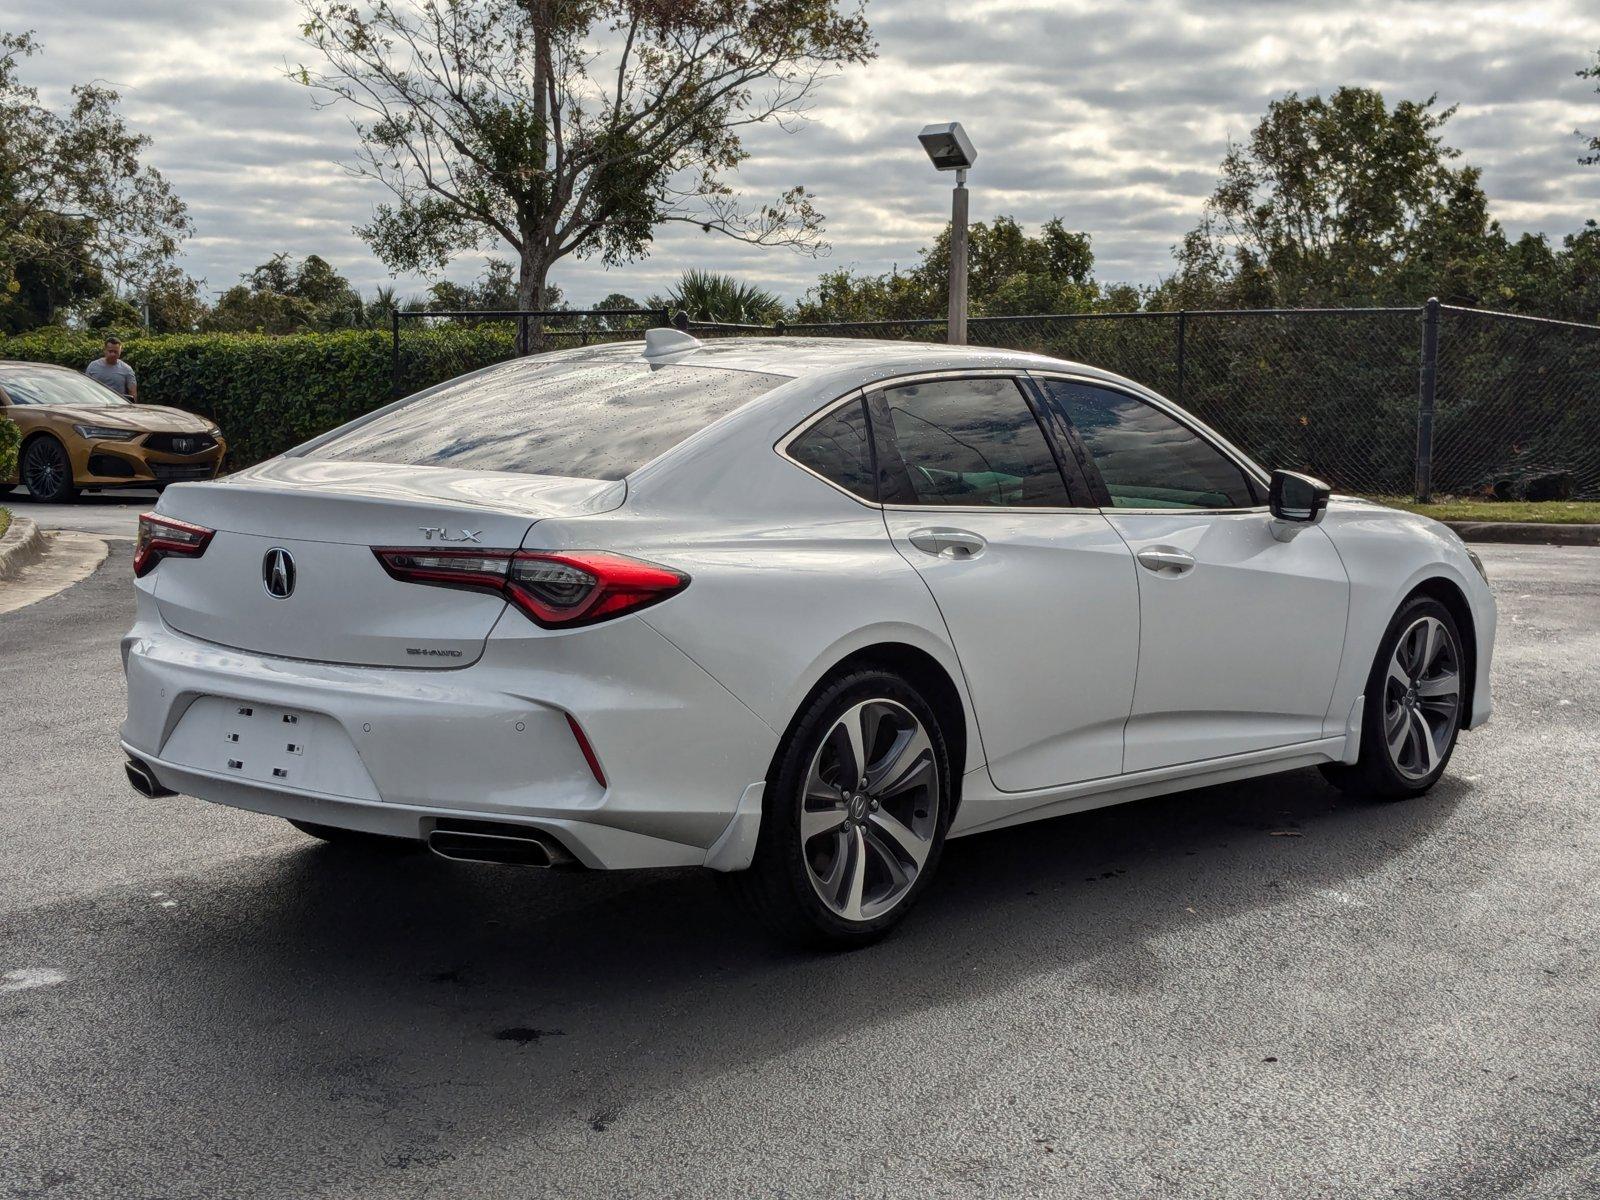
47	471
356	838
855	814
1413	709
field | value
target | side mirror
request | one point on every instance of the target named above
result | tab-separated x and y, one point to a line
1297	499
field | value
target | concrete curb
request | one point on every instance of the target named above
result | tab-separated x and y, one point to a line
23	542
1528	533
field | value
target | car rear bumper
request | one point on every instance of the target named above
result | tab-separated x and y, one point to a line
390	750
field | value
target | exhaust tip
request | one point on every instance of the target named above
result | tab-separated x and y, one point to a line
501	844
144	781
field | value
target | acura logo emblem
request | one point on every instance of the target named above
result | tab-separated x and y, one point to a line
277	573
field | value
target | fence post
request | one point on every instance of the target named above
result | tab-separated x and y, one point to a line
1427	386
522	334
1183	328
394	355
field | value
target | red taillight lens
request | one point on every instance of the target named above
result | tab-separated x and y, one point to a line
558	590
163	537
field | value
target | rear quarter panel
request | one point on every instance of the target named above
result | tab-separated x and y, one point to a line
789	574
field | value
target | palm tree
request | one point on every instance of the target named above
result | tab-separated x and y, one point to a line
383	303
713	296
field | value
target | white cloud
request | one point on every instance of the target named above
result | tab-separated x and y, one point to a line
1109	113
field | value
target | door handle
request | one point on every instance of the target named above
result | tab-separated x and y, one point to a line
948	543
1164	560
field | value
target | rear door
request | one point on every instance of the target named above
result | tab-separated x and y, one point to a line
1036	588
1241	633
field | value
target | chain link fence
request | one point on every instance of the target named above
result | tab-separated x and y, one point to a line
1502	406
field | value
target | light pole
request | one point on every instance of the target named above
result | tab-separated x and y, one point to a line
950	149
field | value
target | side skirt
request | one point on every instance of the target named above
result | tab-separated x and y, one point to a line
980	797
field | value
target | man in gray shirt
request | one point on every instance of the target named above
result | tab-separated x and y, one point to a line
112	372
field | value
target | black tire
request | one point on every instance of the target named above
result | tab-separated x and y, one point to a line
1376	774
778	887
356	838
47	470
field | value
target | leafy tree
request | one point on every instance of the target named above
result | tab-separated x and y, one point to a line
77	206
110	313
40	290
562	127
1008	271
494	289
174	301
1336	201
282	296
714	296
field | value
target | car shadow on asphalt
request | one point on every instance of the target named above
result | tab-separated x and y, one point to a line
504	999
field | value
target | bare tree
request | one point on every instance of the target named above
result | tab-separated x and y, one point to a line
571	127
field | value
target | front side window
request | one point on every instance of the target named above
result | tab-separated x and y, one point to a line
1146	458
586	418
837	448
61	389
970	443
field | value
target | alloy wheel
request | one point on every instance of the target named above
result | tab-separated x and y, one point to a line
45	471
870	810
1422	698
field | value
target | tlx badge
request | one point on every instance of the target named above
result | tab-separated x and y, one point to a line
438	533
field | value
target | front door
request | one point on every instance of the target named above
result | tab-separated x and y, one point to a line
1037	589
1241	634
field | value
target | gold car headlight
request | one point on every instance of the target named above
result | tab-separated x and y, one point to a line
105	433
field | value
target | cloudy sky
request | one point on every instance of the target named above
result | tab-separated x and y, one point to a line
1112	114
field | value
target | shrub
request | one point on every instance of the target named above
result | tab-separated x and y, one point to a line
10	437
271	393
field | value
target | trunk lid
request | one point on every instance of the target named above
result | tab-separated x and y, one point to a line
342	606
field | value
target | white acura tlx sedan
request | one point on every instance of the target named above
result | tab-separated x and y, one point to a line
793	610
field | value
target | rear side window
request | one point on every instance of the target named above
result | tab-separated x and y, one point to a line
584	418
972	443
837	448
1147	459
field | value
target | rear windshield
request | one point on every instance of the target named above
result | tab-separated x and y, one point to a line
582	418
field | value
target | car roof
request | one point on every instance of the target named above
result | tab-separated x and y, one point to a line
832	361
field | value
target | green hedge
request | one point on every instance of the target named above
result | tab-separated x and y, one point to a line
271	393
10	436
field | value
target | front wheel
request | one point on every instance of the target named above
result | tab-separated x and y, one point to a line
1414	704
855	814
47	471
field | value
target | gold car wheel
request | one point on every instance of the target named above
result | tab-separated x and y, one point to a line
47	471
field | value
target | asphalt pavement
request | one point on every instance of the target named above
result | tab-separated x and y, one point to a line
113	513
1262	989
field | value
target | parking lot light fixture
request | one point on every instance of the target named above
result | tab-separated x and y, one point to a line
950	149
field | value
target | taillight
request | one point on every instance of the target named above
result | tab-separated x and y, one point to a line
163	537
558	590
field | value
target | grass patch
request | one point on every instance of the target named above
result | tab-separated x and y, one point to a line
5	520
1554	512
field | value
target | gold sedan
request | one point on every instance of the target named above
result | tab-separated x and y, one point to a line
78	434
